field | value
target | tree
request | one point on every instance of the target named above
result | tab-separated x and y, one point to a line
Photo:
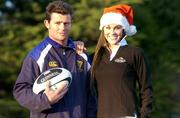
158	22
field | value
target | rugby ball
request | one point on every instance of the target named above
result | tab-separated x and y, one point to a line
57	77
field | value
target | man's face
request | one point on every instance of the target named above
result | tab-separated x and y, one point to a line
59	26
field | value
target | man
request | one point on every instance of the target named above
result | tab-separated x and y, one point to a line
56	50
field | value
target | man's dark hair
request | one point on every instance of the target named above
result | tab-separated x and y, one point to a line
58	6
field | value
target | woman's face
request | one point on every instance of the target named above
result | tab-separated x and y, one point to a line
113	33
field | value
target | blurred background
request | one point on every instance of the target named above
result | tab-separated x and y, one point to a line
158	25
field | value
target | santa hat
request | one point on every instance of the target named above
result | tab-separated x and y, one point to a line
119	14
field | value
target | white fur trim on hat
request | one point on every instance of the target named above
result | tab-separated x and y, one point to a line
116	18
131	30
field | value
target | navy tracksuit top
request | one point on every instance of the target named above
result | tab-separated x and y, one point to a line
77	102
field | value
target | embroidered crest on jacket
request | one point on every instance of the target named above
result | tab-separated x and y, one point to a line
120	60
80	65
53	64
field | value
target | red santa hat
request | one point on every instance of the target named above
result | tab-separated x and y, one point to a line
119	14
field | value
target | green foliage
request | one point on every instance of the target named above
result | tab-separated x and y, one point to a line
9	108
86	20
159	37
16	41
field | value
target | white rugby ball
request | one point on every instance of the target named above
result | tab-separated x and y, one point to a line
57	77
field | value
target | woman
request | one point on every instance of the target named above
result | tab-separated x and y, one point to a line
117	67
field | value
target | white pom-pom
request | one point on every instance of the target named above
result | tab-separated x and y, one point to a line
131	30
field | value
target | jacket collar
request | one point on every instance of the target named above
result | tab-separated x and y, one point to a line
123	42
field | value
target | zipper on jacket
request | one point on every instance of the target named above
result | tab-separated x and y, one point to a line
64	52
64	60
